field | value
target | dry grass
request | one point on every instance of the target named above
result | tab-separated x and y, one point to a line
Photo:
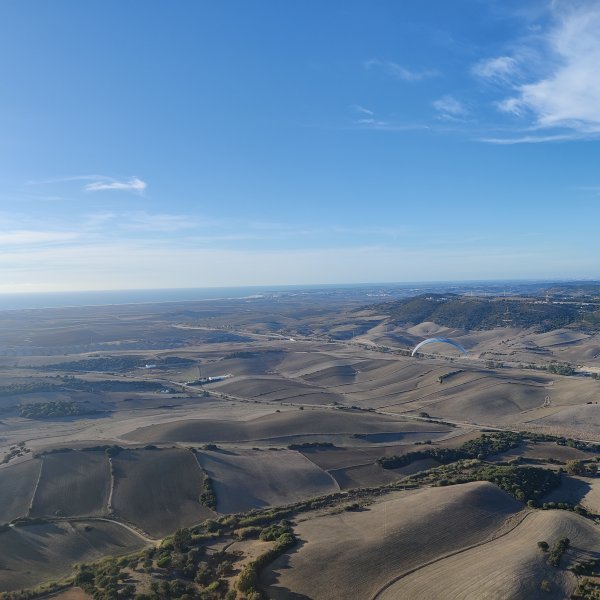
73	593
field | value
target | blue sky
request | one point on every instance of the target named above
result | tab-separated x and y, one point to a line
149	144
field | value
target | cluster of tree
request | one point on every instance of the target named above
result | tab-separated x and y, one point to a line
275	531
179	568
587	589
28	387
108	385
558	549
247	582
308	445
579	467
19	449
208	497
527	484
560	369
482	447
104	364
53	409
524	483
580	445
99	364
563	506
463	312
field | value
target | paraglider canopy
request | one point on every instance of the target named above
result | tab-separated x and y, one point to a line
437	340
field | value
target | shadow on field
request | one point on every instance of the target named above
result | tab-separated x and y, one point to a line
269	577
571	490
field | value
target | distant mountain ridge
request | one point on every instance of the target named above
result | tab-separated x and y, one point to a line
472	313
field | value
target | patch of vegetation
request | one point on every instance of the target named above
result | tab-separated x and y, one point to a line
100	364
178	568
250	353
527	484
307	445
275	531
558	549
247	582
70	382
208	497
524	483
445	376
53	409
580	467
480	448
587	589
16	450
560	369
29	387
452	310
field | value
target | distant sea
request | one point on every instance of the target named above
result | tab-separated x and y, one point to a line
100	298
365	290
110	297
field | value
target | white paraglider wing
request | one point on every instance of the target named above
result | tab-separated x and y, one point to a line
438	341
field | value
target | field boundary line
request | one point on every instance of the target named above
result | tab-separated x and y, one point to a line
111	468
83	519
37	485
391	582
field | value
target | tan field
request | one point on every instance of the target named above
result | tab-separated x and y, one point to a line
287	425
158	490
511	566
355	554
73	484
245	479
17	484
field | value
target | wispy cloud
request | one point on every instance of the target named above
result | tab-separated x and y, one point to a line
500	68
98	183
562	92
361	109
534	139
133	184
399	71
449	108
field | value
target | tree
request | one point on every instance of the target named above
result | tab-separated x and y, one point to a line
182	539
575	467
